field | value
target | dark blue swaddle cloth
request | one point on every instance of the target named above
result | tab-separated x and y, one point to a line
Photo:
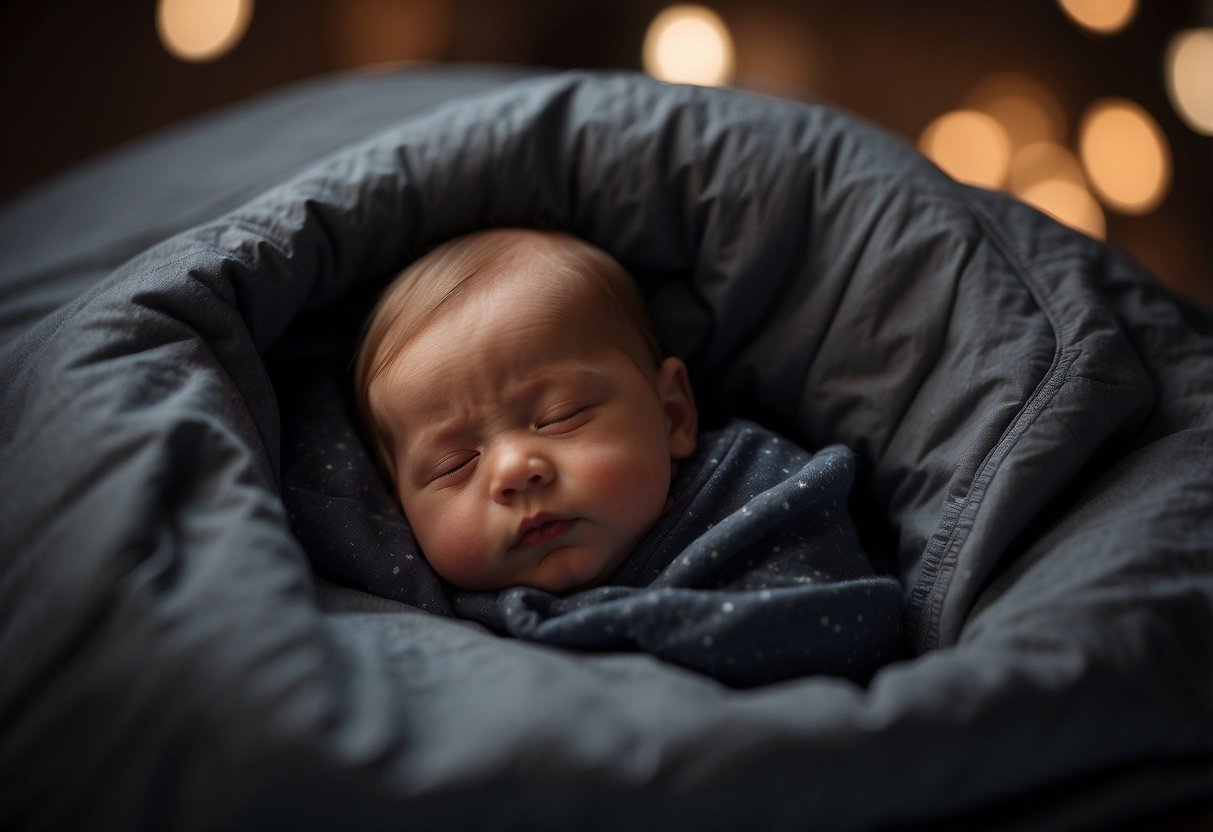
754	575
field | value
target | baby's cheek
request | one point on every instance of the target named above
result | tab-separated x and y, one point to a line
451	540
636	486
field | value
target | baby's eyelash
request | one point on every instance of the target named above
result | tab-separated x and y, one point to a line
454	469
567	417
560	419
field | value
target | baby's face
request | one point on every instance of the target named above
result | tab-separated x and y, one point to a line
529	449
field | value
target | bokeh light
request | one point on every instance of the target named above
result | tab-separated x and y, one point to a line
689	44
970	146
1190	78
384	34
777	50
1027	110
202	30
1042	162
1103	17
1069	203
1125	155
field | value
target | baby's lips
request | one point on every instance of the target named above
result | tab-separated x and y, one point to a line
542	528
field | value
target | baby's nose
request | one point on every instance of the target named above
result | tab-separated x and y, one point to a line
518	468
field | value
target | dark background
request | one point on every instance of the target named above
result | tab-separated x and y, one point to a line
80	76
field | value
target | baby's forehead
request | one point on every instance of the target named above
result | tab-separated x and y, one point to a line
515	321
527	286
547	285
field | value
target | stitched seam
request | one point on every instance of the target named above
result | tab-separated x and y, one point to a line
925	603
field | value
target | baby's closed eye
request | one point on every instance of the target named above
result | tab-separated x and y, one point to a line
564	419
452	465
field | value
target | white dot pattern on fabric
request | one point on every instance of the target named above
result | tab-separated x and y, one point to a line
767	548
756	550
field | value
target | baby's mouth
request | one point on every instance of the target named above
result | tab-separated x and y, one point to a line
541	528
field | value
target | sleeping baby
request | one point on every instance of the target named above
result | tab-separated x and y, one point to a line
547	458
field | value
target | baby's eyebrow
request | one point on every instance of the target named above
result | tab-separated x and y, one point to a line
573	368
435	433
561	374
436	430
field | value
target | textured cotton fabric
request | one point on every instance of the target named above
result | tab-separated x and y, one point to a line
755	575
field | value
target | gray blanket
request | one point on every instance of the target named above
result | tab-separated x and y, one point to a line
1031	417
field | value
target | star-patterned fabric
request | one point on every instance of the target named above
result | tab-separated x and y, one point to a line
754	575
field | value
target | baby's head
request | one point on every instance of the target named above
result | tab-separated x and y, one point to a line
518	400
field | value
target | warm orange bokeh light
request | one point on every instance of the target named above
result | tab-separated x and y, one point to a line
1104	17
1190	78
384	34
689	44
777	50
1068	203
1125	155
971	146
1026	108
1040	162
202	30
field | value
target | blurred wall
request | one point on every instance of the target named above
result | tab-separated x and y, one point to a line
79	77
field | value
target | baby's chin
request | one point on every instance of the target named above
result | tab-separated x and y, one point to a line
573	569
564	570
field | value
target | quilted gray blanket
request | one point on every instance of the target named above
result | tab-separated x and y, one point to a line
1031	417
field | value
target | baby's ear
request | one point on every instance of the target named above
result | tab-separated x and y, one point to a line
678	401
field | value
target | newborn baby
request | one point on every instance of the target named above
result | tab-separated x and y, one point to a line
517	399
547	458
